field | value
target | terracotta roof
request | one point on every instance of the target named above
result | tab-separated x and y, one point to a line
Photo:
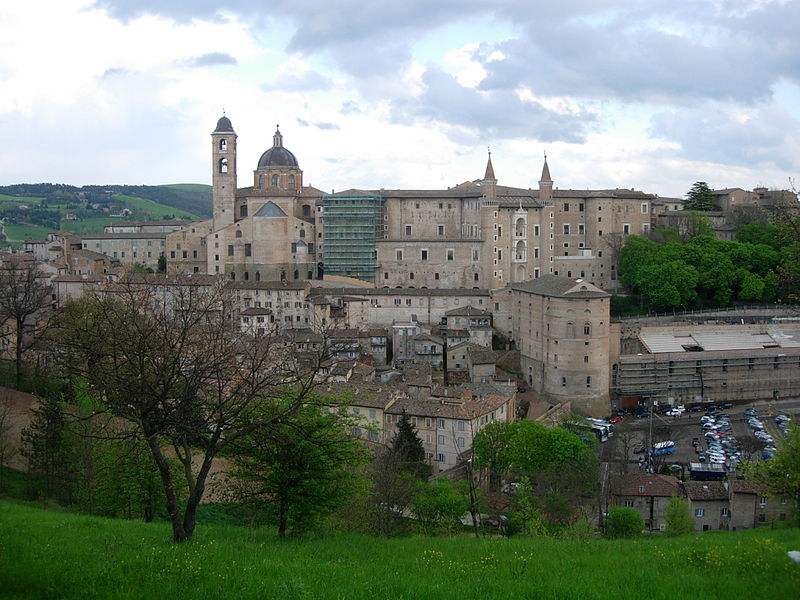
653	485
481	356
562	287
706	490
467	311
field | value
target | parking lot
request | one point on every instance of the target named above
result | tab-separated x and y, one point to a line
632	432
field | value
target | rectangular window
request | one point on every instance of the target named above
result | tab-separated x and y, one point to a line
423	254
408	229
535	230
475	254
398	254
580	207
626	228
451	253
629	503
762	501
440	439
724	512
461	442
699	512
566	207
441	423
440	458
566	228
581	229
461	426
230	249
644	208
440	230
248	250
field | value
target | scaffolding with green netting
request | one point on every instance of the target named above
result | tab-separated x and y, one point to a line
352	224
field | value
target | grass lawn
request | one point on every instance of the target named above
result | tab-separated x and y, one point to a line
154	209
29	200
17	234
49	554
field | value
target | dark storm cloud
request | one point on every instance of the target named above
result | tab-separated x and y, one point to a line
626	49
496	114
211	59
308	81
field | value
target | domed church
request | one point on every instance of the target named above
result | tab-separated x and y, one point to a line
264	232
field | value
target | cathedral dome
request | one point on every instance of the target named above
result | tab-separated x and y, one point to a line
277	156
224	125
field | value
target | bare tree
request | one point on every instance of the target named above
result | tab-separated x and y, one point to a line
167	361
624	443
24	305
9	443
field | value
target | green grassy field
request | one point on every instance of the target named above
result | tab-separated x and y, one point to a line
90	225
20	199
47	554
189	187
154	209
17	234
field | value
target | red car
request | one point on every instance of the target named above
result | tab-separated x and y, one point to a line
615	419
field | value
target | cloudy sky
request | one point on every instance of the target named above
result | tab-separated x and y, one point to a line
648	94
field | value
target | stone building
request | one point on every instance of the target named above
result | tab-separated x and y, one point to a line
561	327
266	231
647	494
142	247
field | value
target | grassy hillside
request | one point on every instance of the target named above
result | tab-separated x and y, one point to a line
154	209
17	234
201	188
59	555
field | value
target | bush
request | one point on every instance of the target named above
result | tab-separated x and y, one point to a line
678	517
623	522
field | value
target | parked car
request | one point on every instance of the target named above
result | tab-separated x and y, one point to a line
642	415
726	405
615	419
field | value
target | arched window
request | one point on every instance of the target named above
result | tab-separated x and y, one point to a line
275	180
519	227
587	328
238	233
570	329
223	145
243	210
261	182
520	251
223	165
306	210
258	275
302	233
291	181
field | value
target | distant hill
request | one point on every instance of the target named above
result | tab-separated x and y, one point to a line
27	209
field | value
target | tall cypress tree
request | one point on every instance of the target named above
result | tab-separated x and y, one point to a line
409	448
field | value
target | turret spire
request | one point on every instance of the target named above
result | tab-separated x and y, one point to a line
489	175
277	139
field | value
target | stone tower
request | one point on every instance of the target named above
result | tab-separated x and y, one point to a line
223	153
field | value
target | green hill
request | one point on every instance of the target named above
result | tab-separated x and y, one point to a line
26	208
59	555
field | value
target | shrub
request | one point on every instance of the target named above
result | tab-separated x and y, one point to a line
678	517
622	522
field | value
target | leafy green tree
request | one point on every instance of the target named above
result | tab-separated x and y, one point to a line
756	233
490	451
781	474
46	445
678	518
407	445
439	506
700	197
298	473
166	362
623	522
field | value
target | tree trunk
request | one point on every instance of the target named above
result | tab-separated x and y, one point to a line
282	518
197	489
18	355
178	531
